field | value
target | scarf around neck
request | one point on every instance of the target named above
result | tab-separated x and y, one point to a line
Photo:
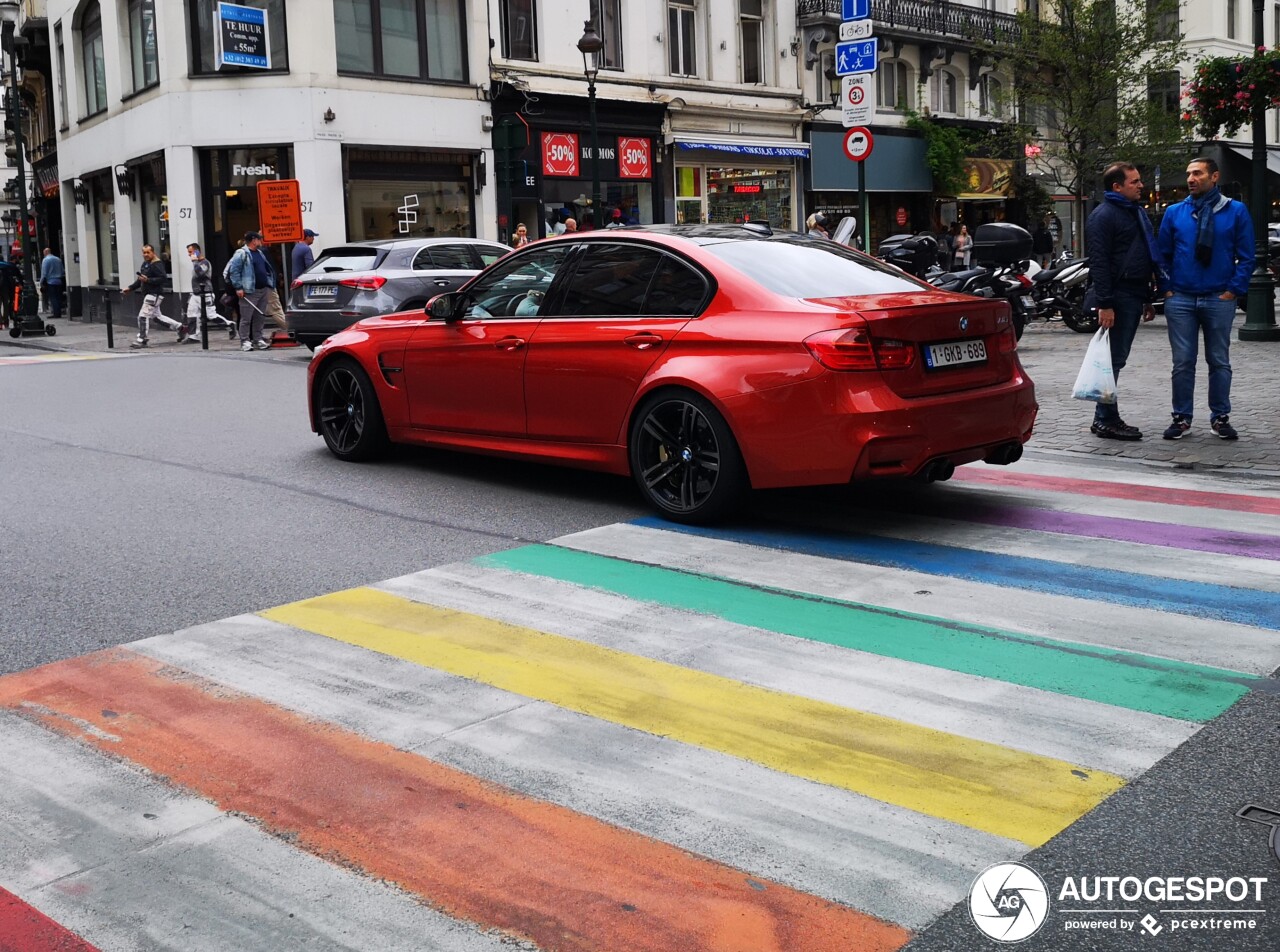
1144	223
1202	210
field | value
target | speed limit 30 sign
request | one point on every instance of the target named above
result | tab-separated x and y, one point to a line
858	143
857	99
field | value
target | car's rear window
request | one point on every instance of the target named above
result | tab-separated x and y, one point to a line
347	258
805	268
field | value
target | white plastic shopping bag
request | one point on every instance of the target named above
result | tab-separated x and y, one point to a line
1097	381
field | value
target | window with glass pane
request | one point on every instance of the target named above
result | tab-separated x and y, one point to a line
945	96
893	91
1232	17
681	39
142	43
204	52
610	281
607	15
92	61
519	29
64	117
989	93
400	39
1163	16
751	28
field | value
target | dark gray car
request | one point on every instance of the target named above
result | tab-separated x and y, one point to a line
365	279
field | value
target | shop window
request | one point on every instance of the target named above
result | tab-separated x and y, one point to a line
945	93
751	33
93	64
610	281
64	115
990	96
682	38
608	17
408	193
519	24
401	39
689	195
203	18
893	85
736	195
143	54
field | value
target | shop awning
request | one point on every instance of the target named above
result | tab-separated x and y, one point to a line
1273	158
758	148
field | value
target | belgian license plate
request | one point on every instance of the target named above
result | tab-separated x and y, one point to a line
956	352
321	291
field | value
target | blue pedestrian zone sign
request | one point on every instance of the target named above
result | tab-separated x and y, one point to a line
241	36
856	9
857	57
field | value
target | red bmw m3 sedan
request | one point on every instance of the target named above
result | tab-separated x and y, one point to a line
701	360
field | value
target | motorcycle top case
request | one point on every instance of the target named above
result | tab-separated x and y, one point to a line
1001	242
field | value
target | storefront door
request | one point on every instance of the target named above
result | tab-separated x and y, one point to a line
231	199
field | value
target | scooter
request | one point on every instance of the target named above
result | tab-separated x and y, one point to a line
1059	293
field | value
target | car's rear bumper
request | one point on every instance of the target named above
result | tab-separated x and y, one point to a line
827	431
322	323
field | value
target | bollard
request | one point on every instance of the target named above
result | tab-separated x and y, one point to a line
111	337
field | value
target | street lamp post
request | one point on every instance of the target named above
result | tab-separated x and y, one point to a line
1260	315
590	46
27	319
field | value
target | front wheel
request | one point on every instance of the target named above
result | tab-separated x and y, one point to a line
684	458
348	412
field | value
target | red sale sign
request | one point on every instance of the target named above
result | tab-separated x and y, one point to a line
559	153
634	158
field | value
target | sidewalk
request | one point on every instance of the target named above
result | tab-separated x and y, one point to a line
1051	353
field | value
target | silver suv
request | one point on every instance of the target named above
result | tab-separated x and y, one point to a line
365	279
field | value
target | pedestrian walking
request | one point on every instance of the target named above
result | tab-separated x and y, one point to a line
252	276
150	281
964	247
201	305
1124	268
302	257
1206	246
53	277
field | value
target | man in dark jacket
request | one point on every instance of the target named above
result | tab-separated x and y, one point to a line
151	279
1123	265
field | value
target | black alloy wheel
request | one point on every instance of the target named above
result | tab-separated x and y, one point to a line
348	412
684	458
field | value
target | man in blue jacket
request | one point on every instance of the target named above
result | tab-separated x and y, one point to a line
1122	266
1206	246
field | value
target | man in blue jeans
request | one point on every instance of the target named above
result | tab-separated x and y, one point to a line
1122	266
1206	246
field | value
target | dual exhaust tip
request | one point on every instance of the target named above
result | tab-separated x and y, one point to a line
940	470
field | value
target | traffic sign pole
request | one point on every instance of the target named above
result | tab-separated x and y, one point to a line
863	217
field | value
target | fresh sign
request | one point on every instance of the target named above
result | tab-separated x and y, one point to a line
634	158
242	37
559	153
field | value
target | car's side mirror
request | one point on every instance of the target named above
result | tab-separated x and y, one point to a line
443	306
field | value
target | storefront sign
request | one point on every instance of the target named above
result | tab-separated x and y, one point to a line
900	217
798	151
280	210
242	38
559	153
986	178
634	158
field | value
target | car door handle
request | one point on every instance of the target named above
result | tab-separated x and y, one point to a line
509	343
441	282
643	341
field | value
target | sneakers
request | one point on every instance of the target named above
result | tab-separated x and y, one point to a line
139	344
1178	427
246	345
1118	430
183	334
261	344
1223	429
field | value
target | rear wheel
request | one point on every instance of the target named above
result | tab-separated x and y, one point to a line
348	412
684	458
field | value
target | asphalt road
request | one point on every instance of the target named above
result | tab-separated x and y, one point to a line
150	493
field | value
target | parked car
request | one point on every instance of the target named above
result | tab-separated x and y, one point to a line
702	360
364	279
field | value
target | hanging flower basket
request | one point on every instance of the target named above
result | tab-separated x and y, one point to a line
1222	94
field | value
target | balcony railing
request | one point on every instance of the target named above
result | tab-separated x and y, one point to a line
923	17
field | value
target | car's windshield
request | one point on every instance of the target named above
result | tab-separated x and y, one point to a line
807	268
346	259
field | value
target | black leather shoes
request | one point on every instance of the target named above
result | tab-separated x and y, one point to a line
1116	431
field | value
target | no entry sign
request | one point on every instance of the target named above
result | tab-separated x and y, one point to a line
858	143
559	153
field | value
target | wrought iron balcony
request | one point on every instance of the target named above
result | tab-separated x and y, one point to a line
919	18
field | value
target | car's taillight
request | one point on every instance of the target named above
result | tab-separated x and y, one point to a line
1006	340
858	350
364	284
297	283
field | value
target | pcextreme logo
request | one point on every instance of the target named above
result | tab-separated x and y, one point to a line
1009	902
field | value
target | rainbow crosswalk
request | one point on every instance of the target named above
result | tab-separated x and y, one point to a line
51	358
808	733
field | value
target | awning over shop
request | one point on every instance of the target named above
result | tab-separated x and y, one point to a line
896	164
1273	158
763	149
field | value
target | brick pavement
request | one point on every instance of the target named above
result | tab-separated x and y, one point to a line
1052	354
